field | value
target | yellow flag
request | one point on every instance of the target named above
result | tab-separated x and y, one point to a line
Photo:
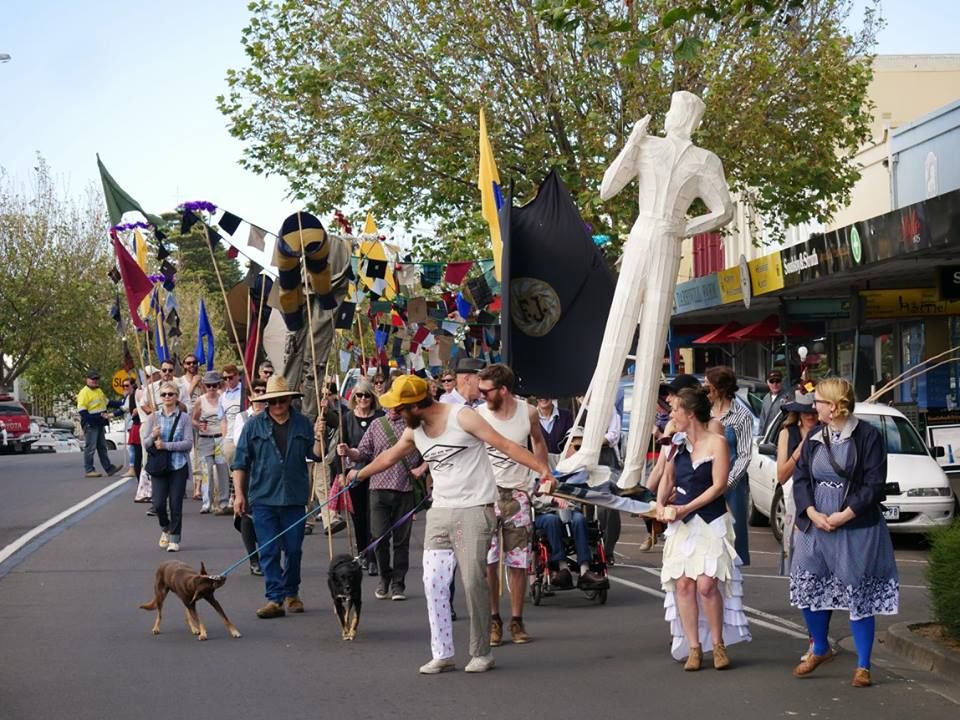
141	255
369	227
490	198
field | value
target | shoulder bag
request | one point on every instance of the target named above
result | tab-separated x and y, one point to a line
158	461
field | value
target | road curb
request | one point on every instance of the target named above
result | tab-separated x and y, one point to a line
902	641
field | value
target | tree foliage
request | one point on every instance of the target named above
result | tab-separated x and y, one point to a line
55	295
376	104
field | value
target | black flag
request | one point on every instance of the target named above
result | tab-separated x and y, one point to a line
557	294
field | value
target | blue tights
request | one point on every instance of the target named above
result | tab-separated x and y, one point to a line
818	623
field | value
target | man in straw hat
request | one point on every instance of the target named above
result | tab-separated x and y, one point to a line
453	440
270	478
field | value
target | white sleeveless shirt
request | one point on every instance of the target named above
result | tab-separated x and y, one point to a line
507	472
461	473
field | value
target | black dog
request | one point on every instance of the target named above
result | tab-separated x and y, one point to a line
345	579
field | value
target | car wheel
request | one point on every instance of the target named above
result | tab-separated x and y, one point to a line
754	516
111	445
778	514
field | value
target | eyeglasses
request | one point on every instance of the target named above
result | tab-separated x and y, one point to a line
168	394
484	391
378	382
211	385
166	370
229	377
775	382
362	395
278	401
823	402
449	380
189	362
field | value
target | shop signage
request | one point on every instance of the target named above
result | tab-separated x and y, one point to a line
949	282
729	283
818	308
696	294
766	274
856	249
746	289
913	302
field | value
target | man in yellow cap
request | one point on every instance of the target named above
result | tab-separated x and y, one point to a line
460	524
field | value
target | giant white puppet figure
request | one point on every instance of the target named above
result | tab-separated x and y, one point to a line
672	173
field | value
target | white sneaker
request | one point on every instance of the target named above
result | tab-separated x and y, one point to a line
438	665
173	547
164	540
481	663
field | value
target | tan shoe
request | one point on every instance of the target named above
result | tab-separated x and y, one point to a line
811	663
271	610
861	678
647	545
294	604
517	633
721	661
496	632
694	659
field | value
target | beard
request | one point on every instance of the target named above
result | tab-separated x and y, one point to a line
495	403
412	421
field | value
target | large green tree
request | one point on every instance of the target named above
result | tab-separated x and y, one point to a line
376	103
55	295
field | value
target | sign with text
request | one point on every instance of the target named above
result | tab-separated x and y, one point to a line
729	283
766	274
949	282
913	302
697	294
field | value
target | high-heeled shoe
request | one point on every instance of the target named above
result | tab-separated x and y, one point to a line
694	659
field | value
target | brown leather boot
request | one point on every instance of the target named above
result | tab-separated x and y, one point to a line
496	632
271	610
721	661
294	604
694	659
861	678
518	633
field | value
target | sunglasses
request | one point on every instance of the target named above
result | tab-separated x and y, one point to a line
189	362
166	370
212	385
229	377
449	380
361	395
168	394
278	401
378	382
484	391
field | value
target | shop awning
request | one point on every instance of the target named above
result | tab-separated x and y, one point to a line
769	329
720	335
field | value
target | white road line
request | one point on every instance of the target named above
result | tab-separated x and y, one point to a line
27	537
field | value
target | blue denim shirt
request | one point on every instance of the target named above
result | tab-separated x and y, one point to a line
271	479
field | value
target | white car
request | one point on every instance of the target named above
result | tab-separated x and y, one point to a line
116	435
919	497
53	440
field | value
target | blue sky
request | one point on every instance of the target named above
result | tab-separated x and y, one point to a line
136	82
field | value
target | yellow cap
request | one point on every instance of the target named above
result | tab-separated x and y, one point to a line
405	390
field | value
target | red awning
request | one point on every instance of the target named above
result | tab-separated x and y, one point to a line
769	329
721	334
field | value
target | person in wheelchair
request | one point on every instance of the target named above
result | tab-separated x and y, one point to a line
554	531
552	527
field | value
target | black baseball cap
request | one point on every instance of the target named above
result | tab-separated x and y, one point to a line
93	374
679	383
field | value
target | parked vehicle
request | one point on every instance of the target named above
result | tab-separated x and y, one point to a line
54	440
17	431
116	434
919	496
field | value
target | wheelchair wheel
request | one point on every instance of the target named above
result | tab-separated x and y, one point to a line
536	591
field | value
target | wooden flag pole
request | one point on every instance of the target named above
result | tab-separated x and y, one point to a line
223	292
336	376
363	352
316	385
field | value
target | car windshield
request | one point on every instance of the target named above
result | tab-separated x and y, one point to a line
8	408
899	435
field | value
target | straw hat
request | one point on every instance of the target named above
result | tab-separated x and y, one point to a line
277	387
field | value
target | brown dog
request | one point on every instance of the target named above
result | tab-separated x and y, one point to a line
190	586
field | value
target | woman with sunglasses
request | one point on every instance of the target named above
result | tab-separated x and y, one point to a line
169	429
210	441
842	554
364	410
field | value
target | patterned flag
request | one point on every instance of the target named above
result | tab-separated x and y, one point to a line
204	331
135	282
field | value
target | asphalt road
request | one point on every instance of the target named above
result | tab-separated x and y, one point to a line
75	645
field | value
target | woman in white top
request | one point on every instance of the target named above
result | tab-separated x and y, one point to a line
210	441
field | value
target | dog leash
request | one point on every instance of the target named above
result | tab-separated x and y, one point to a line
398	523
317	509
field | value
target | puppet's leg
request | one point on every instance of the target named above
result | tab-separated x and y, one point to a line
663	265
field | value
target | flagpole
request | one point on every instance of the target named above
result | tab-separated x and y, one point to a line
260	328
253	360
336	375
363	353
313	357
223	292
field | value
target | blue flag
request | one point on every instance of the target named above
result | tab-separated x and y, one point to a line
160	333
204	330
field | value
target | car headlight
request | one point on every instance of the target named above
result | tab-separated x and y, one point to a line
929	492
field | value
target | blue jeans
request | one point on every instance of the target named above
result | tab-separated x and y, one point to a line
551	526
737	502
95	441
282	579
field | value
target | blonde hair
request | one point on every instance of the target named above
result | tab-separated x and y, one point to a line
167	385
840	392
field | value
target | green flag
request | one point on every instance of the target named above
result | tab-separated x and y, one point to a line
118	201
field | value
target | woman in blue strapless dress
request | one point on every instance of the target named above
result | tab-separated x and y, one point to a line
700	575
